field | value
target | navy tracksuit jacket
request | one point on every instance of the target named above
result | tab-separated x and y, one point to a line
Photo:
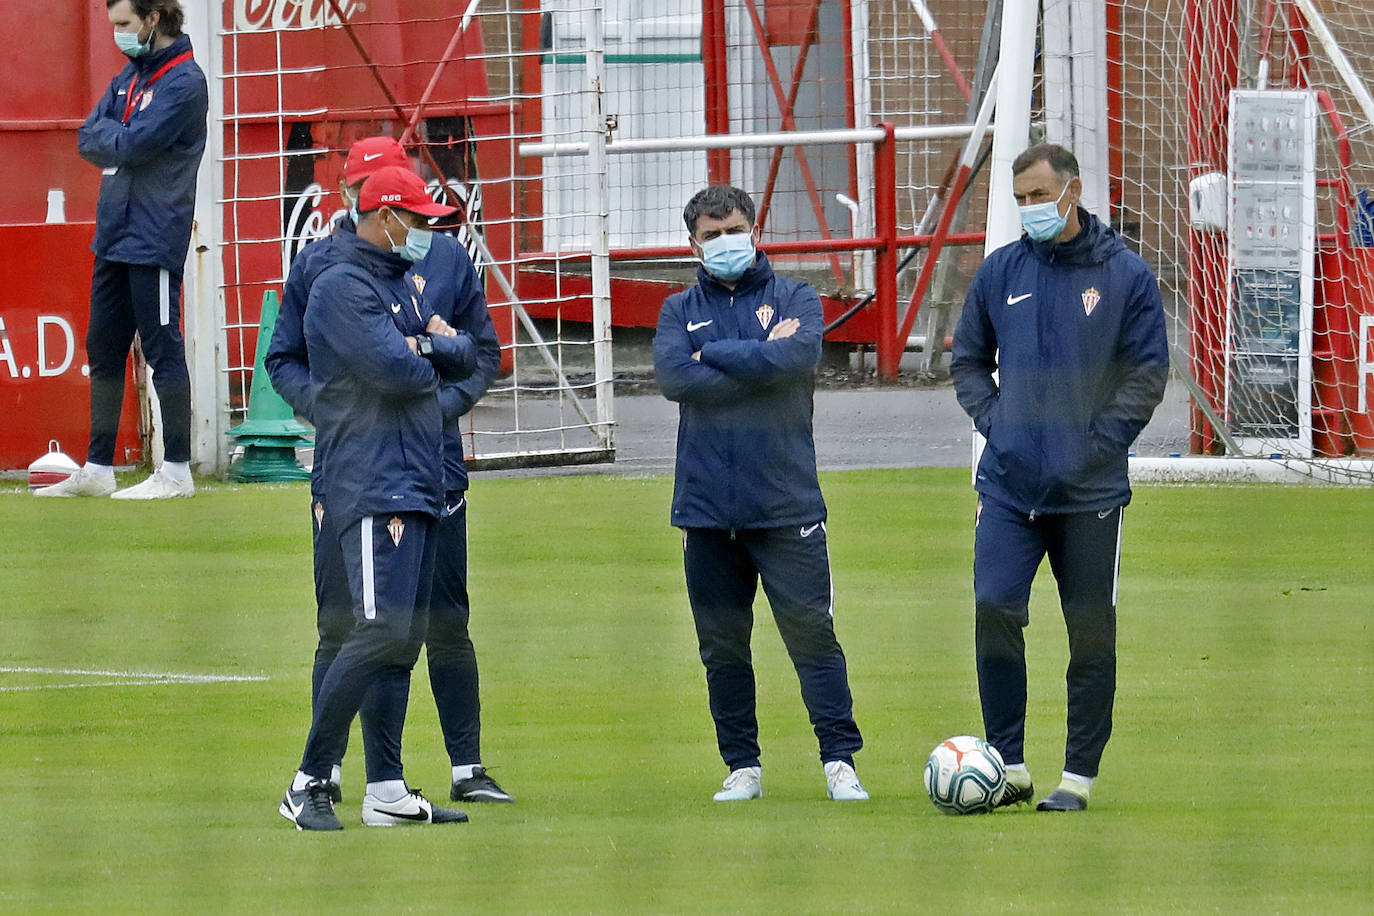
148	134
1076	332
746	494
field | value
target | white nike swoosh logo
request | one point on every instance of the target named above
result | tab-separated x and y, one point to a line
698	325
395	308
295	809
809	530
1012	300
369	158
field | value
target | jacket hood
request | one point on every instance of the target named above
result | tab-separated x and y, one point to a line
149	63
759	273
1094	244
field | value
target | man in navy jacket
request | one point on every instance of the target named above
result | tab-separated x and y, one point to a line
375	374
738	353
453	291
1071	321
148	134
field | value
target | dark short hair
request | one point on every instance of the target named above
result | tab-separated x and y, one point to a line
717	202
1064	163
169	23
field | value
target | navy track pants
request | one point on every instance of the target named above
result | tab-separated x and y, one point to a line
1084	549
453	674
724	569
388	560
143	298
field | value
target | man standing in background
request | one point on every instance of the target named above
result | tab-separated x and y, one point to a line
148	134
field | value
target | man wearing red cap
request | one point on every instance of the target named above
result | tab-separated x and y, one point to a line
454	291
374	378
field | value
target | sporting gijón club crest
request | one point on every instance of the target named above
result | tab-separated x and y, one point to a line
764	313
1090	299
397	529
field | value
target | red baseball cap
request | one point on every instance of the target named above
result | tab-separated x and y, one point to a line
370	154
402	189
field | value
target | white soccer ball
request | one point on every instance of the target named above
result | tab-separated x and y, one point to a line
965	775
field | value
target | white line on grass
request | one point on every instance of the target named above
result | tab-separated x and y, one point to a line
122	678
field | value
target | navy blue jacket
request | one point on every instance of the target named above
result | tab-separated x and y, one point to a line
288	362
453	289
745	453
1082	365
379	428
148	194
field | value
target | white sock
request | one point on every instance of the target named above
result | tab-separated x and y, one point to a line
1019	768
99	470
300	781
336	774
177	470
1074	781
388	790
464	771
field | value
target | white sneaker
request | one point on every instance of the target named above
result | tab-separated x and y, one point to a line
81	483
412	809
742	785
158	486
842	783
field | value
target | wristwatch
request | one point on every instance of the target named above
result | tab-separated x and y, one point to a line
424	344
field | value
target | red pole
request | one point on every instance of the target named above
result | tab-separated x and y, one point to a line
408	134
885	283
1115	119
530	197
788	106
1211	40
717	99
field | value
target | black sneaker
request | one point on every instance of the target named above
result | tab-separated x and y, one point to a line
412	809
1062	800
1016	793
335	791
310	808
479	787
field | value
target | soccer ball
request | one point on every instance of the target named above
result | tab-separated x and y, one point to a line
965	775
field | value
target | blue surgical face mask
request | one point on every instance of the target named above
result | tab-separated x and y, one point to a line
416	246
128	43
726	257
1043	222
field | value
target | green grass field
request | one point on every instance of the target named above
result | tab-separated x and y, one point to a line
1238	779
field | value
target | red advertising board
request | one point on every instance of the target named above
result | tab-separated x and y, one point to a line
44	379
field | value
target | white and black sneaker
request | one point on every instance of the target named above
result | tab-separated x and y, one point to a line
411	809
479	787
310	808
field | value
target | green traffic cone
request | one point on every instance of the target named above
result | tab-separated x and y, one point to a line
271	433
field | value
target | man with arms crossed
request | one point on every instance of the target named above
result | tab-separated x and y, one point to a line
375	374
738	353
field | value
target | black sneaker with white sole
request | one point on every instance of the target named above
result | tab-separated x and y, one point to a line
479	787
310	808
412	809
1016	793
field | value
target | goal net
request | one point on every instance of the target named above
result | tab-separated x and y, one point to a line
1230	142
1239	158
297	83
